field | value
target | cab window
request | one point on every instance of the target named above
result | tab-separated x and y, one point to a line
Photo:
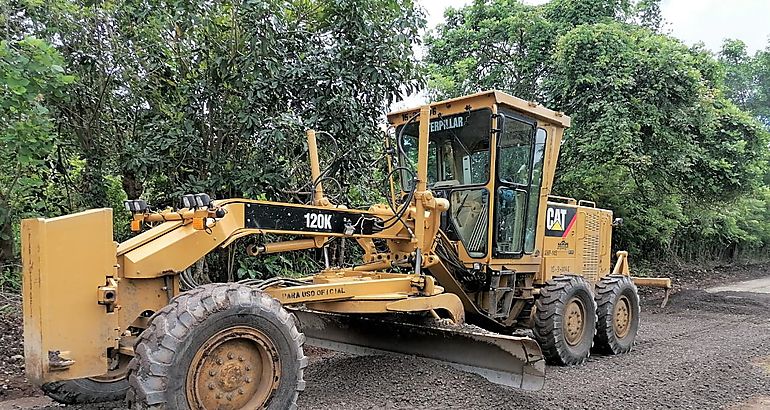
519	173
538	157
514	153
458	148
409	143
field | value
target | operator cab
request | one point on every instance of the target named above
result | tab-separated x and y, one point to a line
481	144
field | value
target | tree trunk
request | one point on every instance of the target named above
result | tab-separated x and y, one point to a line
132	185
94	184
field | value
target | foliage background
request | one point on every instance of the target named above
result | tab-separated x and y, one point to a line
174	97
106	100
672	138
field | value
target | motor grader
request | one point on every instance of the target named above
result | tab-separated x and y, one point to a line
470	233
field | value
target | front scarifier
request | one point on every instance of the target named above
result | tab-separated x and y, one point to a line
473	233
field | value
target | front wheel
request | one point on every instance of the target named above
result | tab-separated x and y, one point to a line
219	346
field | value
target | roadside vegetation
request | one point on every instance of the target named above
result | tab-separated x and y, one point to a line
674	139
103	101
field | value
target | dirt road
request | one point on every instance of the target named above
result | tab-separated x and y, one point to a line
704	350
761	285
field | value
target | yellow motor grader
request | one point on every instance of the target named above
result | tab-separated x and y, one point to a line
470	233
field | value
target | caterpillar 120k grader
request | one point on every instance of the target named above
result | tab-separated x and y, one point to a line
472	234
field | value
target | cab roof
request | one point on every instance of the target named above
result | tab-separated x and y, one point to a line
528	107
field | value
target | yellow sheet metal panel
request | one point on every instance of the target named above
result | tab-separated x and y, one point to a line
577	240
137	296
365	289
605	252
65	260
179	246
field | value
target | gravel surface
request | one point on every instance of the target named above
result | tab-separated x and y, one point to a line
12	381
704	350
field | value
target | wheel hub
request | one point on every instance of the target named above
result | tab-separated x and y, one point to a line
237	368
231	378
574	320
622	317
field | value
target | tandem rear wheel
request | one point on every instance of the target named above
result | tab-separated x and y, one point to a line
570	319
565	320
618	312
219	346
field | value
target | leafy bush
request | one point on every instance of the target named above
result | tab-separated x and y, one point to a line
653	135
200	96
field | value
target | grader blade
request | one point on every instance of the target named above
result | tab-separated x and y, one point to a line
506	360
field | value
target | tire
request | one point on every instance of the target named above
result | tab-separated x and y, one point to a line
83	391
565	320
216	343
616	297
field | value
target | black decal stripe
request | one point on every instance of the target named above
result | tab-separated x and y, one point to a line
290	218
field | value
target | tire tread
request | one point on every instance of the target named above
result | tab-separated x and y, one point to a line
607	292
156	346
549	309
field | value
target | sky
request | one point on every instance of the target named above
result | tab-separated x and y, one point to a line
709	21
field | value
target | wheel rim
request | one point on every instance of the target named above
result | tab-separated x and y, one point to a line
622	317
238	368
574	321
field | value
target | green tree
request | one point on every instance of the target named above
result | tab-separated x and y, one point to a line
215	97
653	137
203	96
761	103
503	43
747	79
739	73
508	45
31	77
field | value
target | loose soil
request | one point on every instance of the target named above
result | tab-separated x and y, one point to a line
703	350
13	383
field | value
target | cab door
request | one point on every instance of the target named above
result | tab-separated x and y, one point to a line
519	152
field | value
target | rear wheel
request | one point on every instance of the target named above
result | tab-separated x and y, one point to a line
219	346
617	303
565	319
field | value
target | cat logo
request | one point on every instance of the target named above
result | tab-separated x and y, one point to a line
554	219
559	220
